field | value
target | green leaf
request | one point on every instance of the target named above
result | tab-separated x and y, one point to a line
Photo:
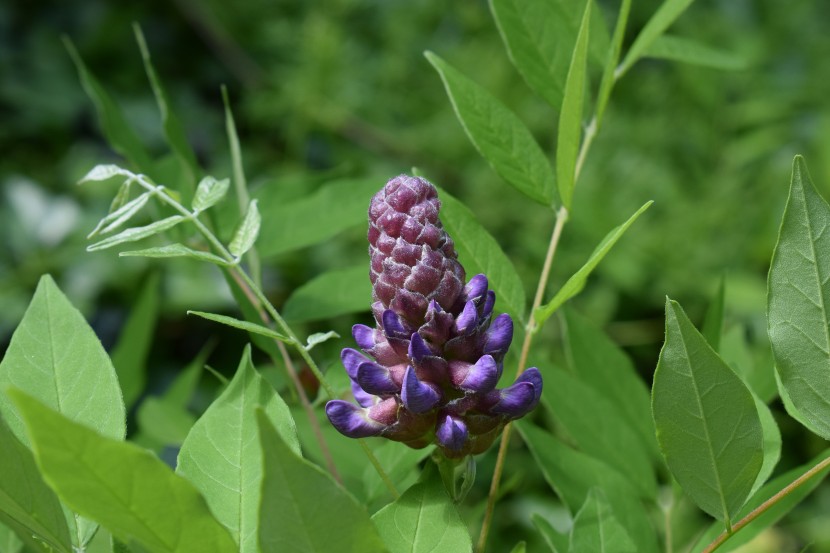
503	140
400	464
707	423
121	215
572	474
596	360
662	19
757	371
239	180
107	481
242	325
479	252
303	508
164	422
606	85
9	542
129	356
690	51
25	498
576	283
102	173
317	217
596	426
119	134
209	192
798	305
319	338
137	233
558	543
791	409
176	250
712	328
173	131
247	232
333	293
222	455
597	530
423	520
772	443
570	117
520	547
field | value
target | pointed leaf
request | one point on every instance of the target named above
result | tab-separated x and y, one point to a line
102	172
772	444
222	455
501	138
245	236
686	50
319	338
707	423
799	301
712	328
570	118
176	250
107	481
303	508
239	181
242	325
558	543
597	530
209	192
333	293
423	520
606	85
662	19
121	215
576	283
136	233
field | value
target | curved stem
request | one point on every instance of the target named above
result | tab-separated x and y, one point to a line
766	505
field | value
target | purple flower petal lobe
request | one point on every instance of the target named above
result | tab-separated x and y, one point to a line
364	336
350	420
352	359
481	377
376	379
499	335
515	401
417	396
451	432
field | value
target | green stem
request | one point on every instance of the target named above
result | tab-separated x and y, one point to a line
766	505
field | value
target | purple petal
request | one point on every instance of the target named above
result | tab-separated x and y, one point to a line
392	325
364	336
376	379
418	349
434	307
364	398
475	287
350	420
417	396
499	335
489	302
483	376
467	318
352	359
515	401
451	433
533	376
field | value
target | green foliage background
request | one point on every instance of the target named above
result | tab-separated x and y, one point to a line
340	89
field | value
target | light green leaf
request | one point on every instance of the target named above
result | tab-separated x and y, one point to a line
791	409
596	360
666	14
576	283
570	117
9	542
242	325
319	338
757	371
686	50
501	138
121	215
209	192
772	443
423	520
164	422
798	305
222	455
712	327
333	293
520	547
596	426
317	217
247	232
239	181
176	250
119	134
25	498
479	252
102	172
400	464
597	530
707	423
606	85
558	543
137	233
303	509
107	481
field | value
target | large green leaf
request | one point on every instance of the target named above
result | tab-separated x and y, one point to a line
597	530
503	140
338	205
598	361
423	520
400	464
662	19
25	498
570	118
222	455
124	487
799	301
558	543
303	509
479	252
597	427
333	293
707	423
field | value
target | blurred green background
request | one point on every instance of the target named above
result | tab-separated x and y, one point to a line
338	89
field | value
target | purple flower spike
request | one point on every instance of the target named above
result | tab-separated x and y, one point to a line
350	420
467	318
475	287
392	325
364	398
489	302
481	377
418	349
499	335
417	396
376	379
352	359
364	336
516	401
451	433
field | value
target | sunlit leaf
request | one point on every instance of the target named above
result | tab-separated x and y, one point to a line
666	14
176	250
247	232
102	172
137	233
606	85
209	192
242	325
